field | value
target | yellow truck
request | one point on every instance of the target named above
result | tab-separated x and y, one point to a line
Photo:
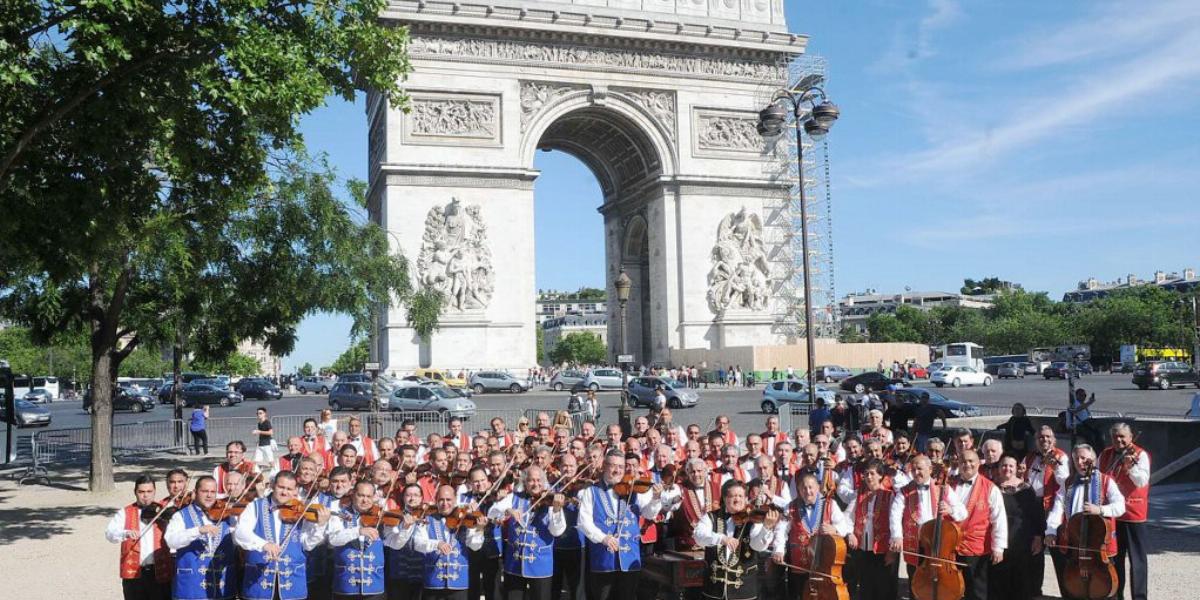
445	377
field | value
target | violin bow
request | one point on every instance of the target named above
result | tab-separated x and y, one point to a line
287	537
170	501
253	481
932	558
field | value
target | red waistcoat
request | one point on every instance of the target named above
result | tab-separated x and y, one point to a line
977	529
881	534
799	536
131	549
1136	498
910	524
1049	483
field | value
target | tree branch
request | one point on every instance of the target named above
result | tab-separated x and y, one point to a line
50	23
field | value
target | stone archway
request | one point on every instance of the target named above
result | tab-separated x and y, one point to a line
658	98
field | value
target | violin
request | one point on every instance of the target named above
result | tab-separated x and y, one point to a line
937	577
825	581
749	515
669	475
225	507
630	485
377	517
1089	573
157	514
462	516
455	479
293	511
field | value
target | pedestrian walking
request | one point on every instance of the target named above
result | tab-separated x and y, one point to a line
198	425
264	454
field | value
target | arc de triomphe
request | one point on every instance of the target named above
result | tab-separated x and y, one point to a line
658	97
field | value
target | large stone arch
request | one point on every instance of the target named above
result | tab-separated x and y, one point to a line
659	99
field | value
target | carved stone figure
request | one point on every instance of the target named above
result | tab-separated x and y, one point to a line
448	117
455	258
729	133
740	276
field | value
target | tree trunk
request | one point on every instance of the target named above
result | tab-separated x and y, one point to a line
103	380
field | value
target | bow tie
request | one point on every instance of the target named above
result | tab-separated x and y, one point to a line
922	486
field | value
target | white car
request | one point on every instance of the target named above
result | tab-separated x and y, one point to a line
959	376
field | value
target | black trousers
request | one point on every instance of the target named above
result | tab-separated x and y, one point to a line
617	585
1009	579
975	576
444	595
770	578
321	586
403	589
199	440
483	574
796	583
647	589
877	580
568	574
1131	538
1037	572
526	588
358	597
145	587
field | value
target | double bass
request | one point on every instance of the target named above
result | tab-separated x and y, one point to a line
1089	573
937	577
825	580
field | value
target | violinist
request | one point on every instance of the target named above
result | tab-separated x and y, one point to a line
775	489
1087	491
826	440
309	488
875	429
609	521
177	480
773	435
723	428
457	436
961	441
431	479
444	547
382	475
347	456
731	466
483	565
698	496
204	553
895	475
849	471
568	547
875	562
274	546
716	449
1129	465
358	558
810	516
291	460
408	463
530	521
786	463
405	566
504	439
990	453
364	445
915	504
587	431
578	448
1046	470
387	449
235	460
145	563
749	461
984	530
235	484
732	540
313	442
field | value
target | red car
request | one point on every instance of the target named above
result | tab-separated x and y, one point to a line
918	372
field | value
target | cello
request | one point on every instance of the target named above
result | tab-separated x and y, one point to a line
1089	574
937	577
825	580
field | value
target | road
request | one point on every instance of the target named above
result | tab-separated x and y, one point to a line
1114	393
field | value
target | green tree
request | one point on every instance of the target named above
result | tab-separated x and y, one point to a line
901	326
590	293
144	362
353	359
164	138
540	340
987	285
235	364
850	335
305	370
579	347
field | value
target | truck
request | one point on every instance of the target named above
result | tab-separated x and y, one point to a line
1133	355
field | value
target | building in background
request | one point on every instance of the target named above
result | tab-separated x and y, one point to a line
556	328
551	304
855	309
269	364
1093	288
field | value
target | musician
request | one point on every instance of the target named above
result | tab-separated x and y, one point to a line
610	524
693	449
204	553
1010	578
754	449
318	567
894	474
347	456
446	573
235	460
504	439
145	565
731	467
875	429
990	453
785	460
457	436
1095	494
387	448
716	449
439	463
405	566
1129	466
874	561
773	435
961	441
849	471
775	489
235	484
827	442
914	505
731	549
382	475
612	437
291	460
364	445
731	438
177	480
530	523
275	551
809	515
482	564
336	442
666	425
358	557
568	547
1046	470
697	497
984	530
314	442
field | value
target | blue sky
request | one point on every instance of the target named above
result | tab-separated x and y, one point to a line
1040	142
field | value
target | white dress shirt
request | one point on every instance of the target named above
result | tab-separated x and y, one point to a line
925	511
360	443
340	533
1036	474
556	519
1139	473
310	535
868	537
761	537
179	536
996	516
116	533
836	517
1114	508
650	507
424	544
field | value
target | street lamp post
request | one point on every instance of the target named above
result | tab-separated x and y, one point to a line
623	285
771	121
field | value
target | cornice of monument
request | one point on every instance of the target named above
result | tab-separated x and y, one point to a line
565	21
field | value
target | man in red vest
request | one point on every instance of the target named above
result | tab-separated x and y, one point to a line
145	565
914	505
1096	495
810	514
1129	465
985	530
365	445
1046	470
869	541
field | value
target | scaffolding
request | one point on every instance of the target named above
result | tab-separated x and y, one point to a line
781	226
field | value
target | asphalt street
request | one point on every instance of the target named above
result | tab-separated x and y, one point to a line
1114	394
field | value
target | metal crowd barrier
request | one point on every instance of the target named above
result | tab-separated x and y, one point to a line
222	430
74	445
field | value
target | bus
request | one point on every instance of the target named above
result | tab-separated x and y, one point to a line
21	385
964	354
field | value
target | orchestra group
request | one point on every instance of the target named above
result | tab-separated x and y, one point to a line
551	513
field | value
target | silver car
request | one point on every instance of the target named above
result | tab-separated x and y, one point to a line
439	399
792	391
497	381
565	380
604	378
1011	369
642	391
314	384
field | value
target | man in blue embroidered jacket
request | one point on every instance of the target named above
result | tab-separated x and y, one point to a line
529	533
204	552
610	523
446	576
276	552
358	557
